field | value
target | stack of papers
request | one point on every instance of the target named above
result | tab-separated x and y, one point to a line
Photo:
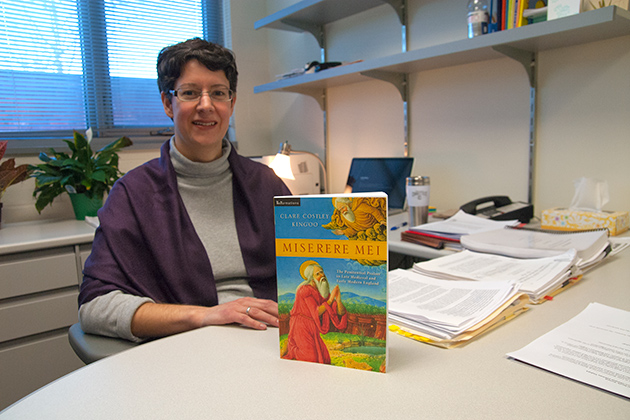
448	232
591	246
449	313
537	277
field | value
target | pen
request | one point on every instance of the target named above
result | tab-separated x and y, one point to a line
399	226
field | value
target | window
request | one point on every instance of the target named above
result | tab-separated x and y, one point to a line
72	64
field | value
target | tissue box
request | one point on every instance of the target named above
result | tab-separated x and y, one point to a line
565	219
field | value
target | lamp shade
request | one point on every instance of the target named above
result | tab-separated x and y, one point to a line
281	165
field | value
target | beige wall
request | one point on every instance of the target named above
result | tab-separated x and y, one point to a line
469	123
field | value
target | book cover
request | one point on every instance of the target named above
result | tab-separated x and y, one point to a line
562	8
331	259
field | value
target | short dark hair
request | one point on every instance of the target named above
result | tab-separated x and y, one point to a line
172	59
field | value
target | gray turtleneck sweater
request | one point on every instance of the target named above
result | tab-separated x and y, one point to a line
206	190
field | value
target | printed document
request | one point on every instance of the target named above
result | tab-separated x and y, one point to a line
444	308
593	347
536	277
463	224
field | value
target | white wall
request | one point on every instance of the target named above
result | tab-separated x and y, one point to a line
19	203
469	123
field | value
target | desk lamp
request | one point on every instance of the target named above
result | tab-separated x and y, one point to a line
281	164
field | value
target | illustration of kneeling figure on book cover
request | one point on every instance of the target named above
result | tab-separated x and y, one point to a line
332	279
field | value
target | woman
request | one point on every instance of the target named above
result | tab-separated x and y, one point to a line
186	240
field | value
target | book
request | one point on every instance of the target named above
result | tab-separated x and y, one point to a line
591	246
537	277
430	240
448	313
520	21
331	260
510	14
562	8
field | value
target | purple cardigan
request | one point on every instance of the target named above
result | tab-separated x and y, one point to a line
146	244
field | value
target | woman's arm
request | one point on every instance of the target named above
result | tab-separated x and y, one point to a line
158	319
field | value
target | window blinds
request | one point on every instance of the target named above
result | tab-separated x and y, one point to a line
72	64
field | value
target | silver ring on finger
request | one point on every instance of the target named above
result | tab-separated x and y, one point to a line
247	310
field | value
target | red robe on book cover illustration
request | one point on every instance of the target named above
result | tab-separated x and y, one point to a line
314	309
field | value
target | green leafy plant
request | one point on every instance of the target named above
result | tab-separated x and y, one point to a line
9	173
82	172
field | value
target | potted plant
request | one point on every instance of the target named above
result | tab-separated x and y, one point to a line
9	173
84	174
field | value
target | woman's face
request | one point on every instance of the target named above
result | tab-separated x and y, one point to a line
200	125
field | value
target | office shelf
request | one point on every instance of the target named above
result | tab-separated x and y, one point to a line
314	12
595	25
521	44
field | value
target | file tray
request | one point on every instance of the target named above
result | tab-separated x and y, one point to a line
559	218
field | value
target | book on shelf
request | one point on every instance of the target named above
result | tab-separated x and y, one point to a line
447	313
516	13
539	278
562	8
590	246
331	259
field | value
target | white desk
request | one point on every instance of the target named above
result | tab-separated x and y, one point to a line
234	373
407	248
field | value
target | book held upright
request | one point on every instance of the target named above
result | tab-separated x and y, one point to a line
331	260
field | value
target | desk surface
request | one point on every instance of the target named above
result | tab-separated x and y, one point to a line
407	248
232	372
31	236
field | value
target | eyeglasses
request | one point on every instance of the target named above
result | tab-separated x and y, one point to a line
220	94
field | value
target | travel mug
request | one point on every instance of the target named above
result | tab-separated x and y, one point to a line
418	199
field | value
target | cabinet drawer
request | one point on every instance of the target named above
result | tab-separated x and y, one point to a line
33	364
26	273
38	314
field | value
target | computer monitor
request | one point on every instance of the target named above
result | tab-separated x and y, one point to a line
381	174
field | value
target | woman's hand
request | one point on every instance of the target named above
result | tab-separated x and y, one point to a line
250	312
159	319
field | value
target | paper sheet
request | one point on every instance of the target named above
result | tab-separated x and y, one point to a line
534	276
593	347
464	224
451	306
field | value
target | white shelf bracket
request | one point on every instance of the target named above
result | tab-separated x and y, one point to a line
315	30
400	7
526	58
399	80
318	94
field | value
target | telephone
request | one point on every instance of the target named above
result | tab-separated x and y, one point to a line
499	207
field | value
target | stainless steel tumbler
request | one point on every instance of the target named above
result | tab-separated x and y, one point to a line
418	199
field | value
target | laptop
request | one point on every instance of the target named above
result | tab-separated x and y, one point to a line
388	175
